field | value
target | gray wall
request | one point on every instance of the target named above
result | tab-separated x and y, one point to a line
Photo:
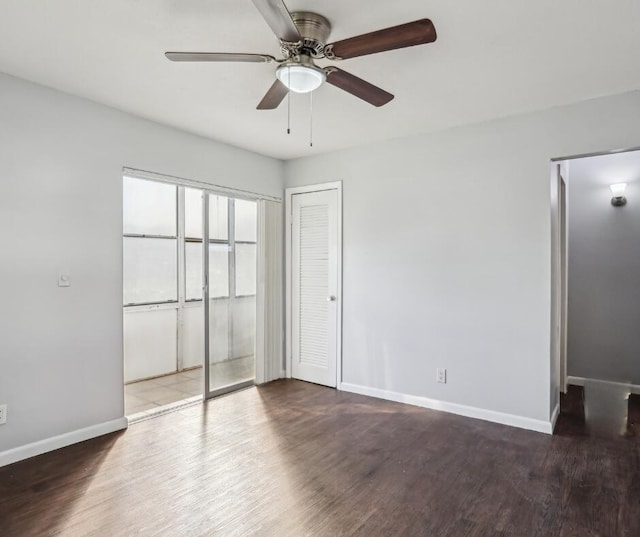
61	160
447	253
604	270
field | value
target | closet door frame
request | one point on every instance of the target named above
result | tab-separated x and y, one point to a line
289	193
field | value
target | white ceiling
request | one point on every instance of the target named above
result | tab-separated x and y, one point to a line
493	58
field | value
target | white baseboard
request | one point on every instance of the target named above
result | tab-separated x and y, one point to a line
580	381
513	420
56	442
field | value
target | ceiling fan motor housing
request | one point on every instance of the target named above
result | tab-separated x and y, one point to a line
314	29
303	37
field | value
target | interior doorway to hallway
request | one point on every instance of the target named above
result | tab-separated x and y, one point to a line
596	290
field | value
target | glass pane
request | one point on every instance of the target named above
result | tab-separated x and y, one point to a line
232	320
244	330
232	328
193	213
193	270
193	337
150	270
218	218
218	270
149	208
245	269
218	338
246	220
150	343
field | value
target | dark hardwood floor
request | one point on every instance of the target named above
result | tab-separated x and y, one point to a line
297	460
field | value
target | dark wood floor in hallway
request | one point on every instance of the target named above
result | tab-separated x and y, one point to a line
292	459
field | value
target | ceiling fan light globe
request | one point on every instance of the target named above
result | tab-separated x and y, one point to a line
300	78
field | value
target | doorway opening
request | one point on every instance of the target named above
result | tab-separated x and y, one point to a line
596	292
189	294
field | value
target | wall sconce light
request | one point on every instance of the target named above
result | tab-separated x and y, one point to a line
617	190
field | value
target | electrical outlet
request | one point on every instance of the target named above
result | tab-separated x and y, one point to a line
64	280
441	375
3	414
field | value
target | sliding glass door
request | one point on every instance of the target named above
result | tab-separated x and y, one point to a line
229	273
189	285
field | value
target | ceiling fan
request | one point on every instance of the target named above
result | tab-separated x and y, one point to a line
303	38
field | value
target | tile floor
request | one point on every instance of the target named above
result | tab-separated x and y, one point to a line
160	391
232	371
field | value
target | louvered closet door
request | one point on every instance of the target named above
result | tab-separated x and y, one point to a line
314	286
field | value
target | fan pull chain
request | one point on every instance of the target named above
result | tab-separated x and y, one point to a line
311	119
289	102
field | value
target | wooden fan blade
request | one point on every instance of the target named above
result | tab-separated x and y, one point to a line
406	35
358	87
277	92
279	19
218	57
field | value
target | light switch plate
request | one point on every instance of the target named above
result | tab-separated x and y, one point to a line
3	414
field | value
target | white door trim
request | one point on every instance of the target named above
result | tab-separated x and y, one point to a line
564	275
289	192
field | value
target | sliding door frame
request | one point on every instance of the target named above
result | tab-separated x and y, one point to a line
215	190
208	392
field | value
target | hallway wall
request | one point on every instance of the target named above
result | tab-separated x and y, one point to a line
604	270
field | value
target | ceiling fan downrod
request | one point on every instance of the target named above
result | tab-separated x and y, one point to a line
289	105
311	119
303	37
